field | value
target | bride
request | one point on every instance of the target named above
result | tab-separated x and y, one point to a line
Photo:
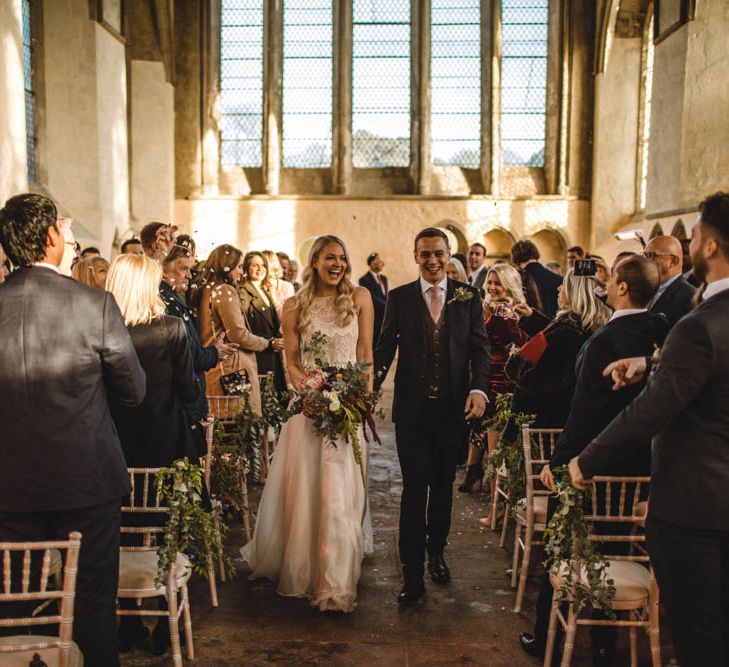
310	535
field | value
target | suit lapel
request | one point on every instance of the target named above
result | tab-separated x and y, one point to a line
259	304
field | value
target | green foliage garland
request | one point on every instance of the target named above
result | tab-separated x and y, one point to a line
567	546
272	405
189	527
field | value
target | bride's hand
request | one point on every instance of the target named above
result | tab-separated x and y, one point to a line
298	378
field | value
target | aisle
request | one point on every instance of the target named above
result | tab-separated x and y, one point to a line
467	622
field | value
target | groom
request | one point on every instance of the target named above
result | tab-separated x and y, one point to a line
441	379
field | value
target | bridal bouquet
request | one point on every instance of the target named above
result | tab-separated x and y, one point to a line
337	400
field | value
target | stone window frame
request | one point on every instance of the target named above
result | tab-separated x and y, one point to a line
342	174
38	78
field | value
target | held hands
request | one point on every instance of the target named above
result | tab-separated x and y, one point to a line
578	480
625	372
475	406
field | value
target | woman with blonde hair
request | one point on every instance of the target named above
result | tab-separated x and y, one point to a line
219	314
91	271
154	433
313	528
274	284
501	321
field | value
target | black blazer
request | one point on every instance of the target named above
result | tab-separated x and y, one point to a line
548	283
156	432
595	403
685	409
676	301
65	352
481	279
378	299
402	331
203	358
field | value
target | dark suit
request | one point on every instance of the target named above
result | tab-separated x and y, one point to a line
429	431
263	321
379	298
548	283
685	408
480	281
676	300
65	351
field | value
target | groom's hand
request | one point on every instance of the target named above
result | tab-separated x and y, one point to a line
475	405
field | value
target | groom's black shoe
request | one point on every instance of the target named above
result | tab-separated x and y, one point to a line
531	645
412	590
438	569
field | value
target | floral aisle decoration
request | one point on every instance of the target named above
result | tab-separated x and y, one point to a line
337	399
568	547
189	528
273	406
509	452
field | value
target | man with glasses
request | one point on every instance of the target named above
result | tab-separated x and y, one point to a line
674	297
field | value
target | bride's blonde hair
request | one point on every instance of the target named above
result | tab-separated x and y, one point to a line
343	302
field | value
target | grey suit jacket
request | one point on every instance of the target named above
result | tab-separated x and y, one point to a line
65	351
685	409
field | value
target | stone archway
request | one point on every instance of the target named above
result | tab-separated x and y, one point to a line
456	236
498	244
551	245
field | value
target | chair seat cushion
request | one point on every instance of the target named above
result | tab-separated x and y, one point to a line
138	570
47	655
540	509
632	581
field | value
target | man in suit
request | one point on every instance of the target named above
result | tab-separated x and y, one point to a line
436	325
477	266
525	255
631	286
574	253
377	285
65	351
685	409
675	296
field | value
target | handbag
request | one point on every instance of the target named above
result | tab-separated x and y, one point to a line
234	383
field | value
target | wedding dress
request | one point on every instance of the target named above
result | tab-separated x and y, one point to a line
312	529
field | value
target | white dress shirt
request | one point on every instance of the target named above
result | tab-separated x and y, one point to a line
46	265
441	290
712	289
474	274
626	311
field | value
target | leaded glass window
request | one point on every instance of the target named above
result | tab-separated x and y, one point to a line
455	81
523	81
381	83
307	83
241	82
29	91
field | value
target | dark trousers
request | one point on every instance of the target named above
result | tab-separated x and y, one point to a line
427	452
94	627
692	570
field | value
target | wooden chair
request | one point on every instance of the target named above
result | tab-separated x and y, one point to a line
19	650
614	501
500	494
138	565
207	462
531	511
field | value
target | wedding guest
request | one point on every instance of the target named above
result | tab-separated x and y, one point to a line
278	288
132	247
218	308
186	241
531	292
157	239
4	272
573	253
675	296
283	260
91	251
63	467
91	271
688	265
262	318
456	271
630	331
477	266
554	267
176	276
377	285
685	411
501	321
292	275
525	255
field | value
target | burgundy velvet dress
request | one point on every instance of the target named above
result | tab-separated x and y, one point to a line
503	332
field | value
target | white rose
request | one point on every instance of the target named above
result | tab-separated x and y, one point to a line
334	406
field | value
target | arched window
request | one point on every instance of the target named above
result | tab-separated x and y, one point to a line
381	83
241	83
455	82
644	120
307	83
524	25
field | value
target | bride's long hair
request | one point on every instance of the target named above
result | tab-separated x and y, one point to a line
344	300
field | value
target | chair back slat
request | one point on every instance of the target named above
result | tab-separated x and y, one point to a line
538	445
145	499
45	570
26	571
6	572
225	408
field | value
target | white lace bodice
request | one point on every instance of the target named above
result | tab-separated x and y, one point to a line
341	346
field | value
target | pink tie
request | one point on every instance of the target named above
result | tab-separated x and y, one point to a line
435	306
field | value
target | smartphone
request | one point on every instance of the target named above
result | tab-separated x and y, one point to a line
585	267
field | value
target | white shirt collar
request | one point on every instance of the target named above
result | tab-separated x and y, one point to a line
626	311
376	276
473	274
425	285
712	289
46	265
